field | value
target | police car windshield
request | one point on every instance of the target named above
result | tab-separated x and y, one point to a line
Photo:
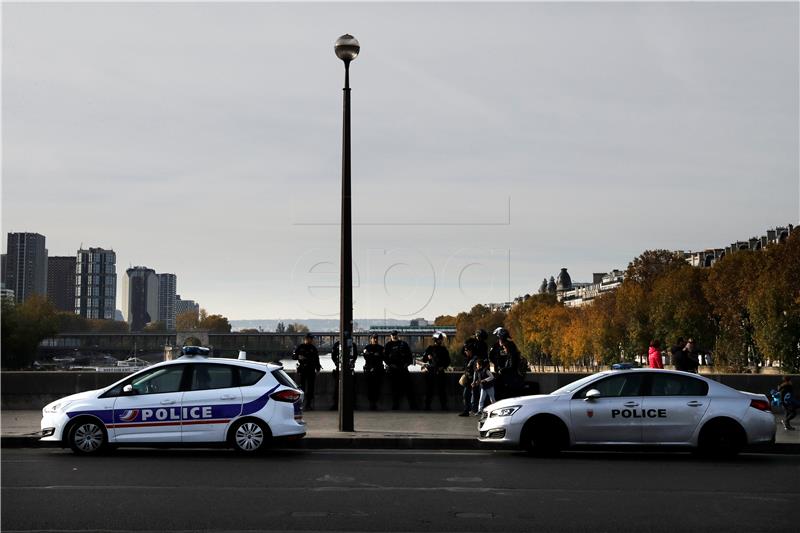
575	385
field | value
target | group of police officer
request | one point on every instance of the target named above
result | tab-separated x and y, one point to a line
393	360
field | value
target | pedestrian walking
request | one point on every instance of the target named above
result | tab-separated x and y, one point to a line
308	367
335	351
654	355
470	394
789	401
483	381
398	357
373	369
435	362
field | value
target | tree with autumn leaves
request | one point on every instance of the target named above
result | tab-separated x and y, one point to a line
744	310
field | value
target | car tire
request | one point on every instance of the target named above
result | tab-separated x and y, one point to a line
720	438
250	436
87	436
544	436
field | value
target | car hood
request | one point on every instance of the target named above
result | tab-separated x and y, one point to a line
521	400
79	396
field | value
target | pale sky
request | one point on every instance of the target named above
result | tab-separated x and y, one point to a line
492	144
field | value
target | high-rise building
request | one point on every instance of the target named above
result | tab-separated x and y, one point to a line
167	288
140	297
183	306
96	283
61	282
26	265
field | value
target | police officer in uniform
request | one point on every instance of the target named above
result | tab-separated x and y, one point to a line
307	368
335	358
505	359
398	357
373	368
435	362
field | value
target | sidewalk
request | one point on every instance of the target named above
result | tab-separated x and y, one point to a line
421	430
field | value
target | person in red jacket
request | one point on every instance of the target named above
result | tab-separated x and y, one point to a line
654	355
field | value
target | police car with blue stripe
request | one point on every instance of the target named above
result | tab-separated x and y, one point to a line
644	407
191	400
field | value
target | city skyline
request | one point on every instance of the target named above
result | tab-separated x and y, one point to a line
571	136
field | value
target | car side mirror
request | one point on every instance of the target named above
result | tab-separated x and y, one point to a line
591	394
128	389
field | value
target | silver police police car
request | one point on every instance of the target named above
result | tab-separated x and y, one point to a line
191	400
632	407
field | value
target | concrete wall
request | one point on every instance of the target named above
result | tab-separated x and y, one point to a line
34	390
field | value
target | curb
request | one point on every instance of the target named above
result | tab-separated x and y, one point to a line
381	443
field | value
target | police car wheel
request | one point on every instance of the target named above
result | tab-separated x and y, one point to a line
543	436
250	436
87	436
721	438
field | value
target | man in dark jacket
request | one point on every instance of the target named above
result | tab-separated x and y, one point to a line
373	369
307	368
398	357
692	356
435	362
505	358
678	356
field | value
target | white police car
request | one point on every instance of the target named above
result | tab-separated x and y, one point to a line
191	400
632	407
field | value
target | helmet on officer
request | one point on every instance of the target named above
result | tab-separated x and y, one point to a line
501	333
439	336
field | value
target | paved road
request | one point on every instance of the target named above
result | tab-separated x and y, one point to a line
216	490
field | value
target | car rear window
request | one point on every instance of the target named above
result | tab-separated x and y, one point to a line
249	376
284	379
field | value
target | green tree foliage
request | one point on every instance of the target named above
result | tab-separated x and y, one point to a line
24	326
280	328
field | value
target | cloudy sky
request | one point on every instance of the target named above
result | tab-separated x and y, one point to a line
492	144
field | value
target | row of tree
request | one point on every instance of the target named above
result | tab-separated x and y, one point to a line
744	311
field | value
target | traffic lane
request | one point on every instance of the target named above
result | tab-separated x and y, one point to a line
189	490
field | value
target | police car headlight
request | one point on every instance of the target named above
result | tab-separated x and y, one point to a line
504	411
56	407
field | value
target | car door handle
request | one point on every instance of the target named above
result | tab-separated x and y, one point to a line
631	404
227	397
694	404
167	402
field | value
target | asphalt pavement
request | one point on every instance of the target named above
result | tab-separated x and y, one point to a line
50	489
402	430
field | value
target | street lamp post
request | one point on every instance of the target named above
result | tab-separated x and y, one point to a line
346	49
